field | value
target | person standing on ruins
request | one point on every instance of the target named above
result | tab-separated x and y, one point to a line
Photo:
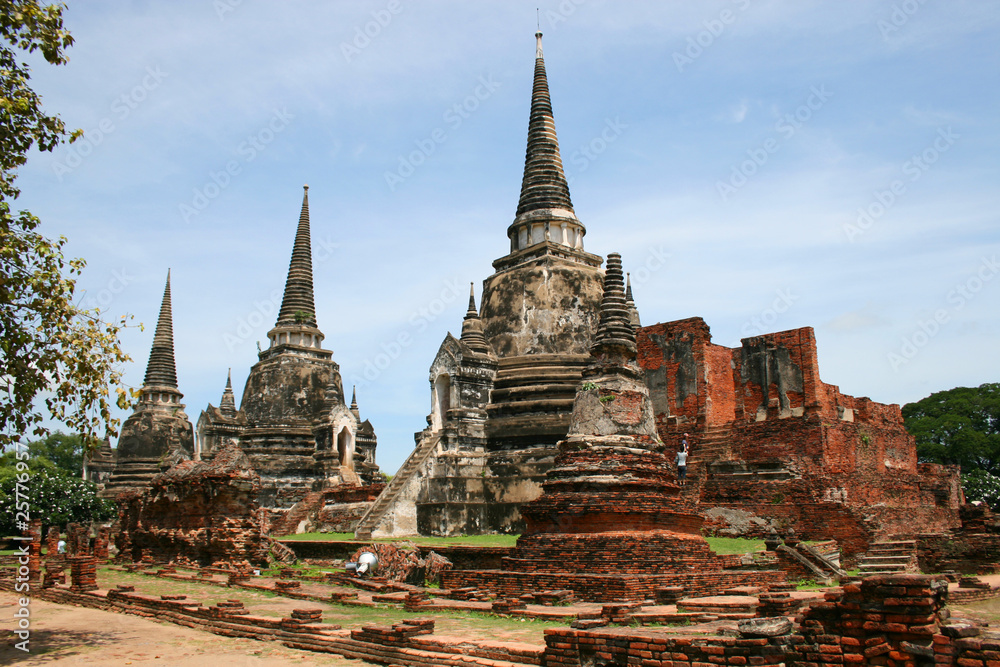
681	462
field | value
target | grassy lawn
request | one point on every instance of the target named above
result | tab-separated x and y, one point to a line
470	625
734	545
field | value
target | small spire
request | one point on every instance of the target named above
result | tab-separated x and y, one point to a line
544	183
614	333
228	403
161	371
632	310
354	403
472	300
298	305
472	326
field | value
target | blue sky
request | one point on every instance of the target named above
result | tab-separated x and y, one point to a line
763	165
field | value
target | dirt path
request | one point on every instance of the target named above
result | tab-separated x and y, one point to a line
68	635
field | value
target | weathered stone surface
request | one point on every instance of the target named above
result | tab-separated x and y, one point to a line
157	434
294	422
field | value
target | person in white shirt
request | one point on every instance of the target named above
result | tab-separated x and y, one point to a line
681	462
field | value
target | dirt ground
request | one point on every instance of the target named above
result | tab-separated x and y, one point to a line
67	635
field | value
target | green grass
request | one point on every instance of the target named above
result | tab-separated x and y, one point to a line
734	545
467	540
473	625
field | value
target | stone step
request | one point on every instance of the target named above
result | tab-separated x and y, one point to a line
417	458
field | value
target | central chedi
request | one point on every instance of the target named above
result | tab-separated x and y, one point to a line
610	524
502	393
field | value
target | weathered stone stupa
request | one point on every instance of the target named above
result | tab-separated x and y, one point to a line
157	434
610	524
502	394
293	422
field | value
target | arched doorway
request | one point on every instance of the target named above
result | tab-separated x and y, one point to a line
345	448
441	401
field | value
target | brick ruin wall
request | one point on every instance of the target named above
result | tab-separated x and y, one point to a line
852	466
886	621
198	512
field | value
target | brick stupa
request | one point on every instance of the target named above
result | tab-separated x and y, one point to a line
610	523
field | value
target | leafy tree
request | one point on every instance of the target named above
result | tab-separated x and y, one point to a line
65	451
961	425
48	344
55	495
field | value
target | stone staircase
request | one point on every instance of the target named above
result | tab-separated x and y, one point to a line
289	523
897	557
370	521
712	446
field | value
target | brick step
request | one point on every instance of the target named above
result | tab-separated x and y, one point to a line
899	544
882	569
890	552
868	558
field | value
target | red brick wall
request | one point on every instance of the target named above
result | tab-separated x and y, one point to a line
720	400
663	352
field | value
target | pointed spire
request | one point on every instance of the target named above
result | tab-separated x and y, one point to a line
228	403
161	371
545	213
298	306
614	333
633	312
354	403
472	326
544	184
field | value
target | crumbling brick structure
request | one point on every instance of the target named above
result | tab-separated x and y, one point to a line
769	437
972	549
886	621
200	512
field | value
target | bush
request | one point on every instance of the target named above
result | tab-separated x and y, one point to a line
53	496
981	485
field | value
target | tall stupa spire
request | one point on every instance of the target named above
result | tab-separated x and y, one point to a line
298	305
161	371
544	210
544	184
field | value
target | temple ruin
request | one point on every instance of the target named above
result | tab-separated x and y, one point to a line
821	463
300	436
